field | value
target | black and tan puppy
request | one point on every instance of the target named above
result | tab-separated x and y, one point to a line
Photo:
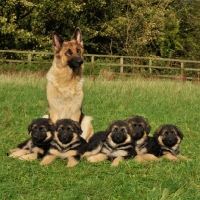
169	137
41	132
115	143
67	143
145	146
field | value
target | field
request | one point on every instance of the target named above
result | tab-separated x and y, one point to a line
23	98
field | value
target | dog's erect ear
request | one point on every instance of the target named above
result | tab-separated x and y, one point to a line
157	132
57	40
78	128
29	128
180	134
148	127
51	126
78	36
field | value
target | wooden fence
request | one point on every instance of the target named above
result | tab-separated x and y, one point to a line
123	65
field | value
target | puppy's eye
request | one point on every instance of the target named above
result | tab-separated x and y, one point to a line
69	129
68	53
123	130
134	125
42	129
173	132
166	133
61	129
115	130
140	125
34	128
78	50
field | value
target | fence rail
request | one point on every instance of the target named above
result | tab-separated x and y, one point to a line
124	65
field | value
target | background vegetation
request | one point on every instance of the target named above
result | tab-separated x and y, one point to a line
23	98
167	28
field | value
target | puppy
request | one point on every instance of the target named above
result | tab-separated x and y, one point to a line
145	146
65	82
169	137
115	143
67	143
41	132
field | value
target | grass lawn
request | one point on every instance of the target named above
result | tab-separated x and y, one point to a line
23	98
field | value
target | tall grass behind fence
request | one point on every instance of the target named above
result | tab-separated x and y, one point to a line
105	64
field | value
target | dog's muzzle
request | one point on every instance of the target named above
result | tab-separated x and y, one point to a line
170	140
118	137
75	62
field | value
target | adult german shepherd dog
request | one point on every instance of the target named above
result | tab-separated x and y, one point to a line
65	82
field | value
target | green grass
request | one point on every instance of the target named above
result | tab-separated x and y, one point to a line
23	98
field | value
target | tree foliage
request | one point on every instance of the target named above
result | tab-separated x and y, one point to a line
167	28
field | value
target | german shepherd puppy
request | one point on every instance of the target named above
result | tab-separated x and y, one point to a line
145	146
115	143
169	137
65	82
67	143
41	132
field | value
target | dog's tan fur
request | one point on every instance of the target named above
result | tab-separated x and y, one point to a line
66	144
36	146
171	153
65	84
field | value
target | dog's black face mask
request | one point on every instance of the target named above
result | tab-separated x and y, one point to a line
138	130
118	135
65	134
40	131
169	138
75	63
38	134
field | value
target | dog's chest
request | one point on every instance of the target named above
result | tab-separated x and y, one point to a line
140	146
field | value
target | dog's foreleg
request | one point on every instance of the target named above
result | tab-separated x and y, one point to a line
183	157
14	150
48	159
19	153
72	161
116	161
170	157
150	157
98	158
29	157
140	159
68	154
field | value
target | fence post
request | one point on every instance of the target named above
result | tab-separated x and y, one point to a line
29	58
121	63
182	69
150	64
92	65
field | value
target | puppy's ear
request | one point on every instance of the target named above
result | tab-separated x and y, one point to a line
109	129
30	127
180	134
78	36
78	128
157	132
56	125
51	125
148	127
57	41
130	129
